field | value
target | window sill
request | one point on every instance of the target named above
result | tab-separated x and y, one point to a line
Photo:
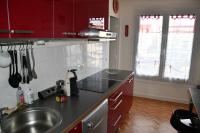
158	79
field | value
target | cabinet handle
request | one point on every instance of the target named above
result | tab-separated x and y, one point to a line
90	125
130	80
115	99
116	105
21	31
98	123
118	119
69	33
75	128
4	31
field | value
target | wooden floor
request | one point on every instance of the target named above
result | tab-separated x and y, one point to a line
149	116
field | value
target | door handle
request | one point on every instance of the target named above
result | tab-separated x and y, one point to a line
21	32
130	80
115	99
118	119
4	31
90	125
69	33
98	123
116	105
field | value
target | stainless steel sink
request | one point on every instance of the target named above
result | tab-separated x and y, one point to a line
33	120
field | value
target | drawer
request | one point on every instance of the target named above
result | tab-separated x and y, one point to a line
130	80
113	126
115	96
76	129
115	110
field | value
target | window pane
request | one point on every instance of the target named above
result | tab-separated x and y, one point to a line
179	47
149	46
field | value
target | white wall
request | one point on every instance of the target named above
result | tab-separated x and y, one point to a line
53	60
154	89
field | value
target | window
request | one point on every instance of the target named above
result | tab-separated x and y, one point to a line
165	54
149	46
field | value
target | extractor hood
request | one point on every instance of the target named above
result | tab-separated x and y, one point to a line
98	34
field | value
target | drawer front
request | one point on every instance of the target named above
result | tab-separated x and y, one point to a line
115	114
77	129
115	96
115	109
113	126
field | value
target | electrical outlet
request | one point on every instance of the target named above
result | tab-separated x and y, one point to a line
47	92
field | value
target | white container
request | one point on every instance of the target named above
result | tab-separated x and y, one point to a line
67	88
30	96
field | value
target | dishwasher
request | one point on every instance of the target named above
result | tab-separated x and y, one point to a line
96	122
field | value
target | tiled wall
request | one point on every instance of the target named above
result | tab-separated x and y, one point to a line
53	59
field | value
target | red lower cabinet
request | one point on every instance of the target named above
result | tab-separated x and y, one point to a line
128	94
76	129
119	104
115	111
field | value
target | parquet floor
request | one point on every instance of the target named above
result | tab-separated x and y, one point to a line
149	116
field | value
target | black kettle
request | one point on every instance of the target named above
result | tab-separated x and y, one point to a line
73	83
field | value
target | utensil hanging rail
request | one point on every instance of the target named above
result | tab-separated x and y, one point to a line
16	43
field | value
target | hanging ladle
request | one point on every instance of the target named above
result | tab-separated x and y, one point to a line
17	75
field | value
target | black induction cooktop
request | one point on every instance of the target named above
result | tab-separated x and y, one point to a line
95	84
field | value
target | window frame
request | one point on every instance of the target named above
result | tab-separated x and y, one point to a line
164	39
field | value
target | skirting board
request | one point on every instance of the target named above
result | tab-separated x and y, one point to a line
170	99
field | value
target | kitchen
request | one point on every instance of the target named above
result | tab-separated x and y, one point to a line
52	26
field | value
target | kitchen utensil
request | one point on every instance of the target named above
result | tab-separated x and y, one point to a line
28	63
17	75
10	67
5	59
21	65
24	68
34	74
26	74
12	80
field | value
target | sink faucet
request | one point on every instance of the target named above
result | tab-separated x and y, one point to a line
2	116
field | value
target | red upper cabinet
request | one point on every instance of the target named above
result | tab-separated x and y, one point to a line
90	9
31	18
50	18
4	28
99	10
81	15
63	18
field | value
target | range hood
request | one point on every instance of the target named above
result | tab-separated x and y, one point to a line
95	34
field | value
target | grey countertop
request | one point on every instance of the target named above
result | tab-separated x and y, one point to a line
76	108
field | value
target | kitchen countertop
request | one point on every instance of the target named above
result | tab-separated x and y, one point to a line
195	94
76	108
118	75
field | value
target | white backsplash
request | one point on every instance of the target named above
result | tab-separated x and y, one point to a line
52	61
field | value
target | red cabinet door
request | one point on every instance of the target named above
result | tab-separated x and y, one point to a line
76	129
81	15
99	9
115	112
4	29
63	18
31	18
86	9
128	94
